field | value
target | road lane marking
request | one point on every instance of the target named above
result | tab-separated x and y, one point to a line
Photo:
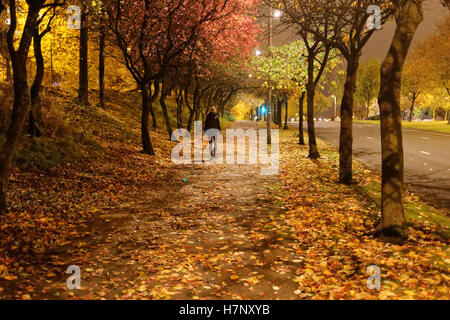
425	153
370	138
430	133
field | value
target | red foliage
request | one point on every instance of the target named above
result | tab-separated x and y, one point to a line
156	33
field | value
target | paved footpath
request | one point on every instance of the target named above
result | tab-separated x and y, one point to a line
211	232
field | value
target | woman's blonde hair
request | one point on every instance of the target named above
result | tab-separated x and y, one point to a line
212	110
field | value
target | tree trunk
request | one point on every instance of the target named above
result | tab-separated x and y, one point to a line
8	70
101	68
197	99
313	150
286	115
346	136
275	104
411	109
195	102
197	110
147	146
35	92
20	110
204	116
190	120
153	99
162	101
83	89
279	106
191	111
301	134
275	112
310	92
366	115
35	118
446	111
408	16
21	94
179	109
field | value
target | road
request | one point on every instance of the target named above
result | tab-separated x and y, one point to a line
427	157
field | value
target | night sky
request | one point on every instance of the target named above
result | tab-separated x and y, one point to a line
378	45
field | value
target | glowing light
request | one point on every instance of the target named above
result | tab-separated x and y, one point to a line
257	52
277	13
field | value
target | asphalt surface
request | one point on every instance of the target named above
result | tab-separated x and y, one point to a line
427	157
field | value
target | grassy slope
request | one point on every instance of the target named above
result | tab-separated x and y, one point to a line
87	161
73	132
436	126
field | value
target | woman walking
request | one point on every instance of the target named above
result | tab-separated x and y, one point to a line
212	122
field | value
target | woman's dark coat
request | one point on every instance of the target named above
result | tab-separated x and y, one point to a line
212	121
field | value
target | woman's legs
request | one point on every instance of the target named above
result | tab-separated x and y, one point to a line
212	150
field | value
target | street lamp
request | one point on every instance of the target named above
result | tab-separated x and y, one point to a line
272	14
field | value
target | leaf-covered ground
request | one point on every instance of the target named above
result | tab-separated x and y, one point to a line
332	225
152	230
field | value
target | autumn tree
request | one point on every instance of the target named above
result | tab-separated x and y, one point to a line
245	106
434	55
83	83
4	53
434	100
133	23
22	100
408	15
318	57
222	86
346	22
350	36
153	35
214	66
322	102
301	103
319	53
414	81
98	23
288	65
43	27
226	27
336	83
367	85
